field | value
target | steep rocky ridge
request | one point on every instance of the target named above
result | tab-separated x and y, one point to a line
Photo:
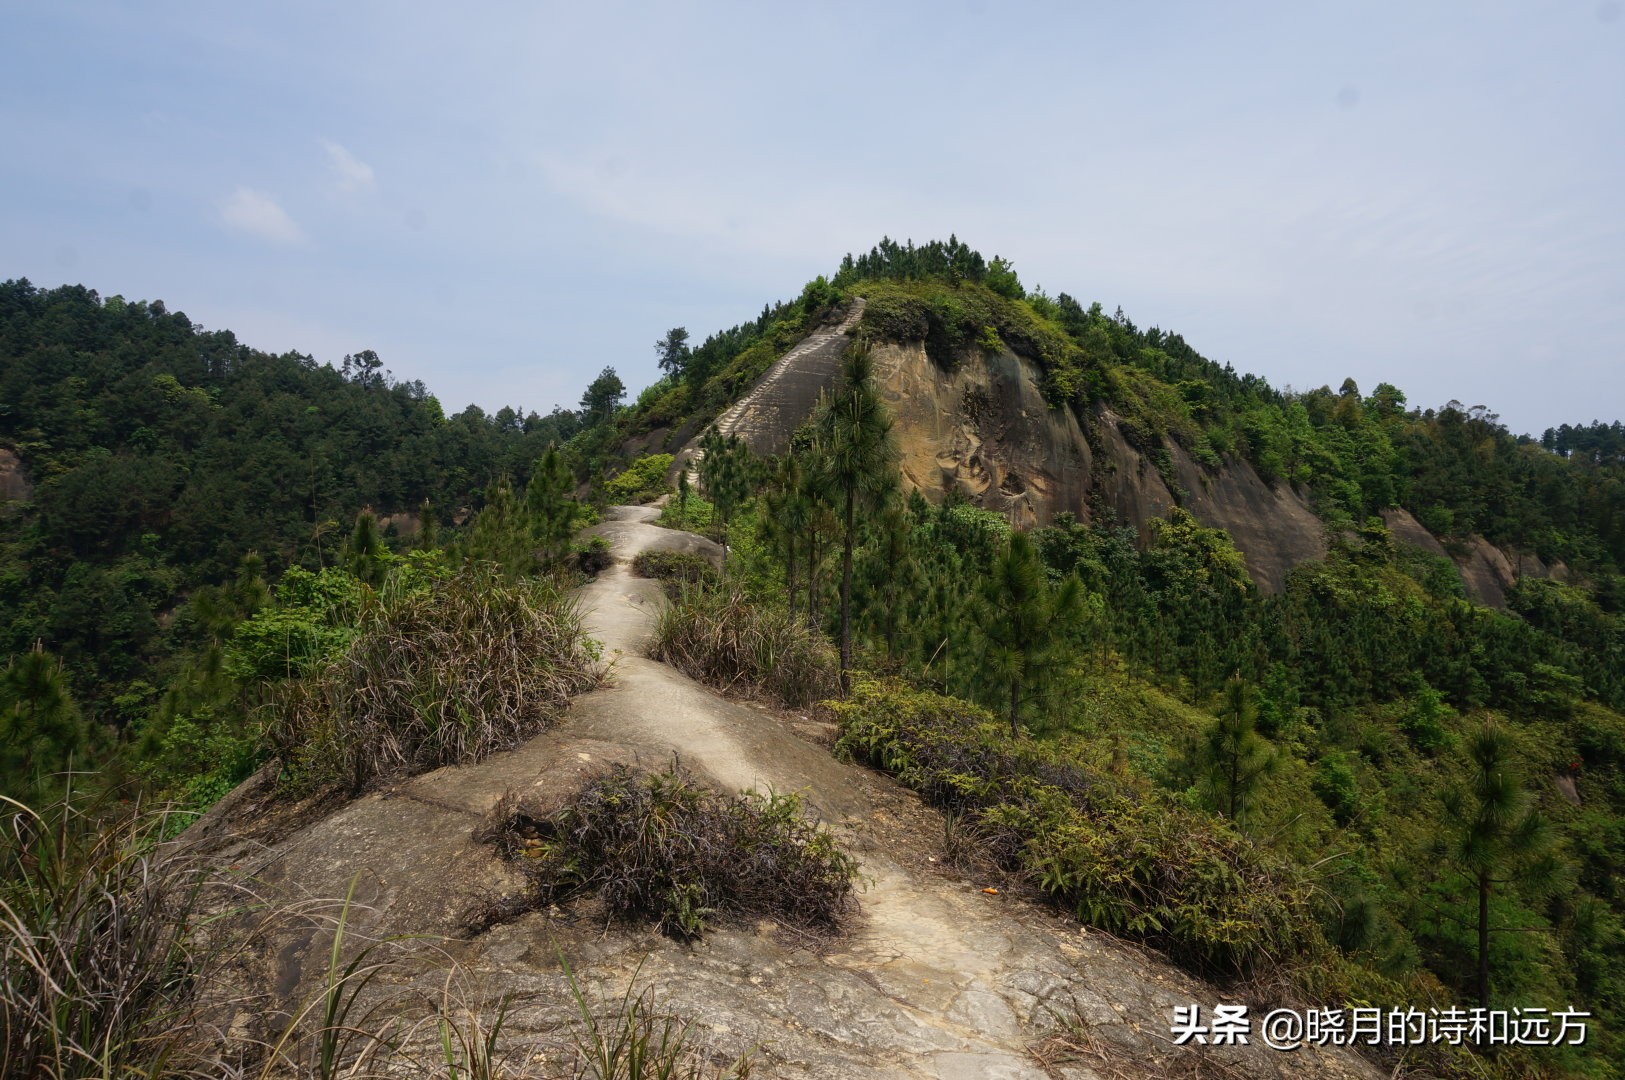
935	978
983	428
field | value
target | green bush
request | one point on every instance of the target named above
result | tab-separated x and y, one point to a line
1131	862
440	677
642	481
675	569
661	845
697	516
593	556
724	639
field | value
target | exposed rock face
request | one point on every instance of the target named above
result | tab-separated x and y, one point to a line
985	429
785	395
1486	571
934	979
1405	528
13	483
1272	525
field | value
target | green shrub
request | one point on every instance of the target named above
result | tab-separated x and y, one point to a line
642	481
721	637
1131	862
593	556
675	569
698	516
661	845
440	677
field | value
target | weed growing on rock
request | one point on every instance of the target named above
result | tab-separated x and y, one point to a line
97	960
636	1042
674	569
661	845
441	677
724	639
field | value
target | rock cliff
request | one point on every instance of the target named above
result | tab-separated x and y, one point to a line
984	429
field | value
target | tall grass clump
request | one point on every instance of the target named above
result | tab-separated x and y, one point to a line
724	639
436	677
1133	862
98	964
675	569
661	845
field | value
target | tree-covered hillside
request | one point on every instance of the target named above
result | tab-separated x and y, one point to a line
1450	776
161	455
1364	786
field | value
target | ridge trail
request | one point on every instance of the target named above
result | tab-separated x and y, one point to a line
932	980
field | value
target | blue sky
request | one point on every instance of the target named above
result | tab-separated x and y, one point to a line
503	198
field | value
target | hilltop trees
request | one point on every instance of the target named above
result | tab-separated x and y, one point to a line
673	352
602	397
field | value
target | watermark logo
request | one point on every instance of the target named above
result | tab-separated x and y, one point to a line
1288	1029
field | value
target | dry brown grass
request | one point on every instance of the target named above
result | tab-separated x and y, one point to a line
722	638
443	677
661	845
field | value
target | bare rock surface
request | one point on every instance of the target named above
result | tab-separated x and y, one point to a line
935	977
13	481
1404	527
1273	525
985	430
785	395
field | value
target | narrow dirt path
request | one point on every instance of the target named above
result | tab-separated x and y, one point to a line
934	978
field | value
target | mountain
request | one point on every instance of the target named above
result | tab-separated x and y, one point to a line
1295	691
1033	406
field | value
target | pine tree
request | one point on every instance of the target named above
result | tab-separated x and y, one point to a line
673	352
1494	835
858	466
1025	623
891	573
725	472
40	726
499	535
364	553
549	506
1235	758
785	523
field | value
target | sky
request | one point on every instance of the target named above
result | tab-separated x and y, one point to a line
503	198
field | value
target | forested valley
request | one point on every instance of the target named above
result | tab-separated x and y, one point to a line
1364	787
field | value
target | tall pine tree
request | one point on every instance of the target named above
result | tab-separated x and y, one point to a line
858	466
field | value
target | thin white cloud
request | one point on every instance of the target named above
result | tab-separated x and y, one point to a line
353	174
258	214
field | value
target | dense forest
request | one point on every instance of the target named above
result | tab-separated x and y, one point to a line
1430	790
175	471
